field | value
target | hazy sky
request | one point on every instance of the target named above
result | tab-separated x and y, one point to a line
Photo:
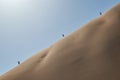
27	26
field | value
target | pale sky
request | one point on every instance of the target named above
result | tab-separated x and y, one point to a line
28	26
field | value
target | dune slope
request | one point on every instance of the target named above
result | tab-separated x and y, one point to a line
92	52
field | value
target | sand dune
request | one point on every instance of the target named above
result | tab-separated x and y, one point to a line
90	53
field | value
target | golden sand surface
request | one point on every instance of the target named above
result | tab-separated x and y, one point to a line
92	52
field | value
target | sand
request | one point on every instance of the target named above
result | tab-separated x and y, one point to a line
92	52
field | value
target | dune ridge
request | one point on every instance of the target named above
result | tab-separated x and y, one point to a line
92	52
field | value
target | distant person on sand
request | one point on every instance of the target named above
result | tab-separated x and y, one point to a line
100	13
18	62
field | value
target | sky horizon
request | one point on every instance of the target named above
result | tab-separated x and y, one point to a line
28	26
